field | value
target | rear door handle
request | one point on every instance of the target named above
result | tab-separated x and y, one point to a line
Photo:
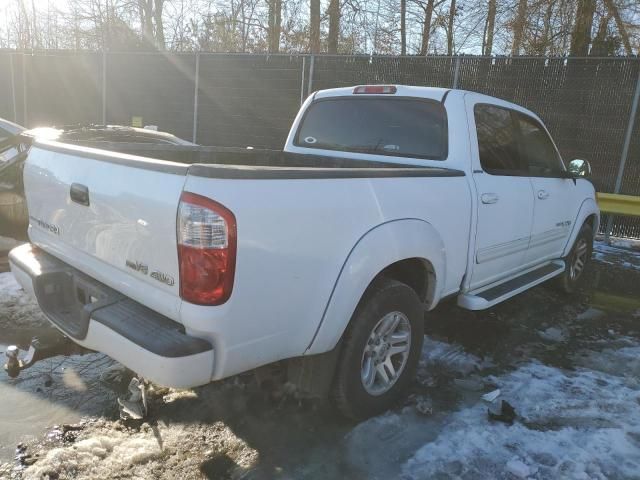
79	193
489	198
543	194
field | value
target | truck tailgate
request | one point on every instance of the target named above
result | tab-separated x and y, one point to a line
111	215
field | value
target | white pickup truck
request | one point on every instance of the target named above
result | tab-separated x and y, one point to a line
386	201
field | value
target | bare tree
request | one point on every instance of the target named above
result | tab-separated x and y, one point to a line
403	27
452	15
314	26
613	10
581	35
275	25
489	28
519	27
334	26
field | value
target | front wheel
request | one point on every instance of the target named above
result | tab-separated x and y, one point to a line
577	261
380	351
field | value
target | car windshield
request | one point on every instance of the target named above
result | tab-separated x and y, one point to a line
405	127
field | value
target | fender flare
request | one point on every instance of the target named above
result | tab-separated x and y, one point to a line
588	207
380	247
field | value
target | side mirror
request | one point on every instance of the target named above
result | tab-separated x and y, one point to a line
579	168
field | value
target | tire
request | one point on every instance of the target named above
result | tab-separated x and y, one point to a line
388	310
577	261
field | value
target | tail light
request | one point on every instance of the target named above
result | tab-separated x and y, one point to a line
207	238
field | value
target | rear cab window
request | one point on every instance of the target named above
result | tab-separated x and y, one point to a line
399	127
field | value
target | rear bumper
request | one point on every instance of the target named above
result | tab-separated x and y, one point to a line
99	318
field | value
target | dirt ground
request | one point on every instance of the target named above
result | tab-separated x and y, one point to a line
569	367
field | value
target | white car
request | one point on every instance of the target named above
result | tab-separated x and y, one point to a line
386	201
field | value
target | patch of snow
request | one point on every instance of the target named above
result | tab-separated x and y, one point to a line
614	255
96	457
591	314
519	469
7	243
449	358
18	309
579	424
613	361
629	243
553	334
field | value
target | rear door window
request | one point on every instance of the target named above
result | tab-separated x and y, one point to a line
404	127
498	141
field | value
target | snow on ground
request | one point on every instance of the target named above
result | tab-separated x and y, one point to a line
572	424
619	253
573	378
7	243
95	457
18	310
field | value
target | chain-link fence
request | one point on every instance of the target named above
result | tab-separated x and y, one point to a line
238	100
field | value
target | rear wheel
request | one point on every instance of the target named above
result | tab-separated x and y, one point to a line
577	261
380	350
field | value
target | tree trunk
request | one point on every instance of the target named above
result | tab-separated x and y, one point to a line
581	35
491	25
146	19
613	10
314	26
546	30
599	47
334	26
157	14
403	27
452	14
518	27
426	27
275	23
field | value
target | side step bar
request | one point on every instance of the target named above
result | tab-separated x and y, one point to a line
491	295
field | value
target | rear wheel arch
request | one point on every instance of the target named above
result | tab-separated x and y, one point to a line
409	251
417	273
592	221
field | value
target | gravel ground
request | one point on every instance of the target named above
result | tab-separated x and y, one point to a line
569	367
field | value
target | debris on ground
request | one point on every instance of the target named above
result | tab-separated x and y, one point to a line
491	396
134	405
424	405
505	414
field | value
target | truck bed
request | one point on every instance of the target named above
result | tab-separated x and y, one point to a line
227	162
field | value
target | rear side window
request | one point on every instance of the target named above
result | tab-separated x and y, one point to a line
498	141
536	148
404	127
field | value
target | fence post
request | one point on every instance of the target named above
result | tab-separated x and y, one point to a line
625	151
196	87
456	73
24	92
304	66
104	87
13	88
310	86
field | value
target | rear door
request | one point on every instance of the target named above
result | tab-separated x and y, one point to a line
553	193
504	191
